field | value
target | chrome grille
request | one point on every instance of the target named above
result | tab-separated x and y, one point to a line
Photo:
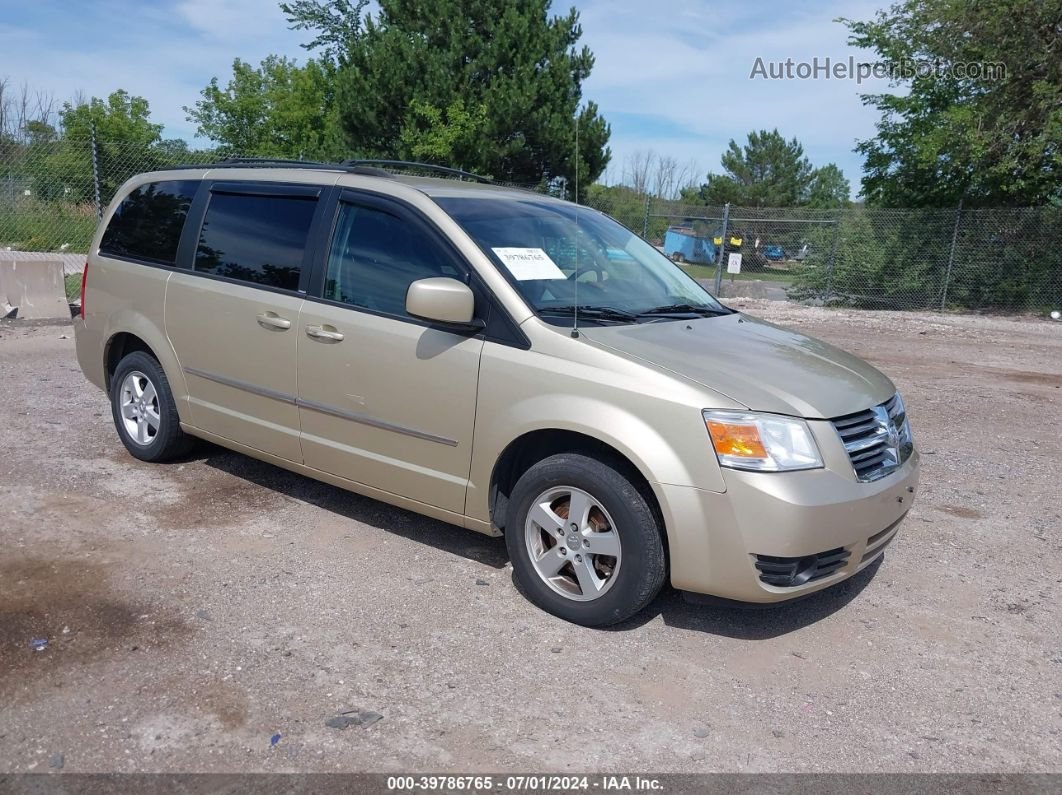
878	440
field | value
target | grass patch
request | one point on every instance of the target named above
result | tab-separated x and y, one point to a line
34	225
708	272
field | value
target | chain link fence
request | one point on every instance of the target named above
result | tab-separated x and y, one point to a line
1007	260
1010	260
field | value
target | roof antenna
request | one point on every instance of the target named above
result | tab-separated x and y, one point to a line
575	312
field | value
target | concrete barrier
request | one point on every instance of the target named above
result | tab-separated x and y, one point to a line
73	261
36	288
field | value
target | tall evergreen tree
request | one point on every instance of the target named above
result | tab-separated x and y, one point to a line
769	171
487	85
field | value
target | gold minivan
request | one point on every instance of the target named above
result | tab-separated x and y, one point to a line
500	360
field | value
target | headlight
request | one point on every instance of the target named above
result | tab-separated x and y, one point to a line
903	428
761	442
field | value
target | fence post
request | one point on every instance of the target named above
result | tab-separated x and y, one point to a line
645	218
833	257
951	255
722	248
96	174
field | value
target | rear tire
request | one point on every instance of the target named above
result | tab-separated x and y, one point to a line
555	563
144	411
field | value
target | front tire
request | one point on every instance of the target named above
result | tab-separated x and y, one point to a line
584	541
144	411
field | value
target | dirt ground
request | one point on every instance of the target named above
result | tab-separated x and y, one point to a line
213	614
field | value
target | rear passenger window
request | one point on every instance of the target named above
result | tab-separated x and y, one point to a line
147	224
375	256
256	239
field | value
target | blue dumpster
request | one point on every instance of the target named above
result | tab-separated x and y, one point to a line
683	244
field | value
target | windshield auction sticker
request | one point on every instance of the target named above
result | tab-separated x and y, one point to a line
526	264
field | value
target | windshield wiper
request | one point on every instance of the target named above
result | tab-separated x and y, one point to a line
594	312
685	309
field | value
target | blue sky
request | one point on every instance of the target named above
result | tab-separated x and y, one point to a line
671	76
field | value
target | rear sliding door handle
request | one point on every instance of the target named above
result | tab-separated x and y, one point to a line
272	320
324	334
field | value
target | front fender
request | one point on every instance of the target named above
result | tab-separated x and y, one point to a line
667	444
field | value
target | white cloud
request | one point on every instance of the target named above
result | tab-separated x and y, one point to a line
690	66
164	52
233	20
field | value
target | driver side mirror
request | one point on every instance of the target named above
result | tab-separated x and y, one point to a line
443	300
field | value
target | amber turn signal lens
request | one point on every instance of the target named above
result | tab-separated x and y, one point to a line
736	440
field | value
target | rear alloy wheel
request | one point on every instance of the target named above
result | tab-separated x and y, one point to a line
139	405
585	543
144	410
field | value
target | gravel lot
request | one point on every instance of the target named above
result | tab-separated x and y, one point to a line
212	615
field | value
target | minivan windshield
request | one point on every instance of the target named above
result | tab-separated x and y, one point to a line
566	259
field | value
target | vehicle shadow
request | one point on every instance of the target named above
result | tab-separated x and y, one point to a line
422	529
711	616
751	622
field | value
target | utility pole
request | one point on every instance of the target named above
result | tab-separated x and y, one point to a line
96	174
722	249
951	255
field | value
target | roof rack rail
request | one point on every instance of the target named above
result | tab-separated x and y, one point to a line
409	164
280	162
369	168
287	161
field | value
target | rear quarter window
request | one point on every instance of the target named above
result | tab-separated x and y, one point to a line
147	224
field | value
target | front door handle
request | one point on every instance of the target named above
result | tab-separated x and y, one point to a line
272	320
324	334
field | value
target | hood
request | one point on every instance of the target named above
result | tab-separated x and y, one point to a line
757	364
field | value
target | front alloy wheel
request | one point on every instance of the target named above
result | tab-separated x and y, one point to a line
572	543
584	538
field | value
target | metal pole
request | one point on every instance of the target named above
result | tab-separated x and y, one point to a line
96	174
722	248
951	255
833	256
645	219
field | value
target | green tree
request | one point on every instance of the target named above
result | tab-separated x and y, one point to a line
121	118
175	152
336	24
420	65
126	141
450	135
768	171
279	109
40	132
829	188
991	135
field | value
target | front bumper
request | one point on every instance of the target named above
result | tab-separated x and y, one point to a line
790	521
